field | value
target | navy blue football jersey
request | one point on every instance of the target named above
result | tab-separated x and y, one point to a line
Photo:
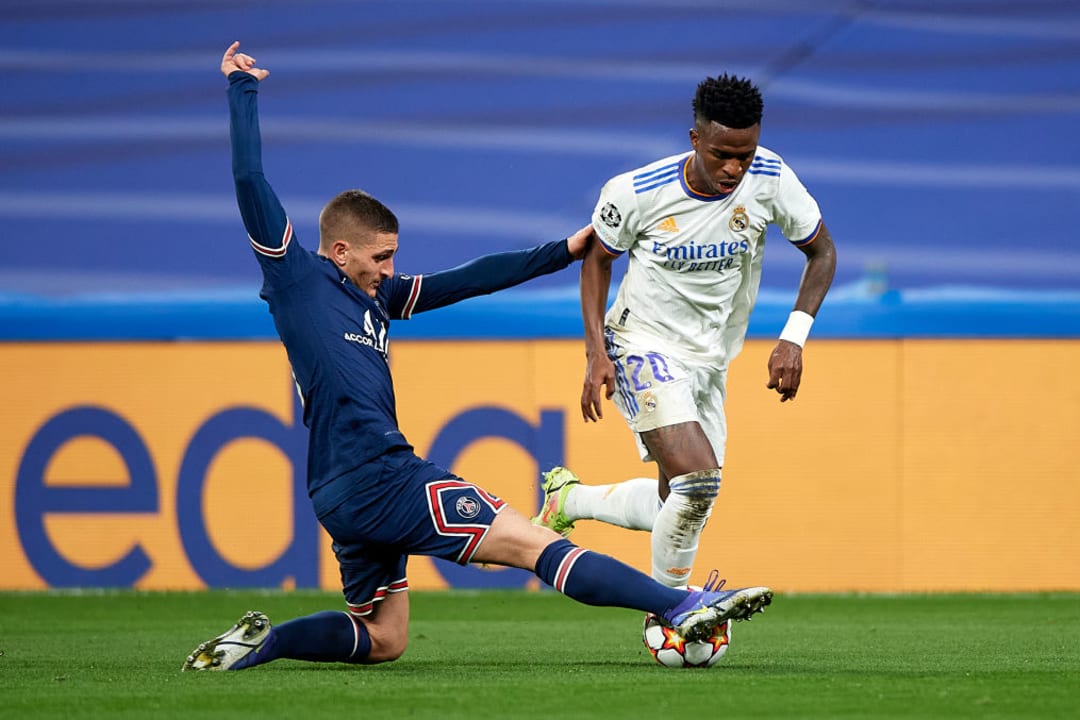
336	336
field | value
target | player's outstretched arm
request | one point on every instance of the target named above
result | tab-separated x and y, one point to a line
497	271
785	362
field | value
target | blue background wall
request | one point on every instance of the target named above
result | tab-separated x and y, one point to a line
940	139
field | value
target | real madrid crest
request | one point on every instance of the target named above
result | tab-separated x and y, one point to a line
739	219
610	215
648	402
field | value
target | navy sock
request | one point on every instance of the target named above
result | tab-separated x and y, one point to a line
595	579
329	636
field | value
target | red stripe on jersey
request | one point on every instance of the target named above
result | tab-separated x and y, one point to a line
495	503
277	252
414	294
565	567
475	533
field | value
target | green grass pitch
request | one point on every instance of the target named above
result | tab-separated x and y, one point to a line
539	655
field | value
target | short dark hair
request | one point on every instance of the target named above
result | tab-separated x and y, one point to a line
728	100
354	213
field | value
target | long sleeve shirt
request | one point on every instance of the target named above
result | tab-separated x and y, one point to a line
336	336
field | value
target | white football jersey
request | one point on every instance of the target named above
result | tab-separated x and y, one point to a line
695	260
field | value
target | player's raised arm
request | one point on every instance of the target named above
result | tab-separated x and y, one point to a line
264	218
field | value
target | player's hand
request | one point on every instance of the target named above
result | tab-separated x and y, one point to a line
232	61
599	372
578	243
785	370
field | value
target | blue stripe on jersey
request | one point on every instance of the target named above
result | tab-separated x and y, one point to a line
809	238
623	386
654	178
607	248
646	176
765	166
664	181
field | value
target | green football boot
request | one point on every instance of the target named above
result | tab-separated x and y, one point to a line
557	483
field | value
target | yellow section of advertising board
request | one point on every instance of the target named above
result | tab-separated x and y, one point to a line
904	465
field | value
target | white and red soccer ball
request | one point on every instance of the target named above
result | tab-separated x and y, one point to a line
670	649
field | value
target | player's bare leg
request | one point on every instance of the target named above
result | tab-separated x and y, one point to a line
679	449
388	628
514	541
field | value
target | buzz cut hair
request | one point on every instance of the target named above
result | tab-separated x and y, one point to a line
354	215
730	101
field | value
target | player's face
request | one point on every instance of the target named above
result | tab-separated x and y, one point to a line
722	156
368	263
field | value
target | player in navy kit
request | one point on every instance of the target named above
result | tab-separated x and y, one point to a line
377	500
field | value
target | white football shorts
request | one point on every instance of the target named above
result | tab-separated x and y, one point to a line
654	389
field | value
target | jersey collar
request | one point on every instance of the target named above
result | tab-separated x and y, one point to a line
684	180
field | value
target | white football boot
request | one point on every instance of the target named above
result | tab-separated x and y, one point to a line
231	646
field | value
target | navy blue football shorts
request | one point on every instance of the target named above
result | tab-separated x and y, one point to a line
405	506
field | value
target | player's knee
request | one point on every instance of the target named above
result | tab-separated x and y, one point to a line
535	540
696	490
386	652
699	484
540	536
387	644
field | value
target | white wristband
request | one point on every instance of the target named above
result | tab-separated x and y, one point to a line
797	328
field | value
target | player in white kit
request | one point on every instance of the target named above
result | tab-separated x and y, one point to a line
694	228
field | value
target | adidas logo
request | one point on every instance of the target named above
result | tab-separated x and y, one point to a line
668	226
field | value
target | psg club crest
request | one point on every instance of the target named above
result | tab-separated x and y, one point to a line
739	219
467	507
610	215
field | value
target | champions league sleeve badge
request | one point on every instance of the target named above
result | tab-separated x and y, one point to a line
610	215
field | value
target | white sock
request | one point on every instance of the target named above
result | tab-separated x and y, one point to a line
679	524
632	504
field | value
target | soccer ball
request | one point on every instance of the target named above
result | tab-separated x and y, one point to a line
670	649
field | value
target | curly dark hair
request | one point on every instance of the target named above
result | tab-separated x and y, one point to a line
728	100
